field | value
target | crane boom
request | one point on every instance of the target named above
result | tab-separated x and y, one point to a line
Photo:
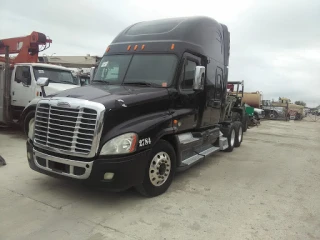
26	47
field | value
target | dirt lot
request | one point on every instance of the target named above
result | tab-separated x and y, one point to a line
269	188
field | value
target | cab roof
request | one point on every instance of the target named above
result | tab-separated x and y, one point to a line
44	65
200	34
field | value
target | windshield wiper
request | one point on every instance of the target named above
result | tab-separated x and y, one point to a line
53	81
68	82
142	84
101	81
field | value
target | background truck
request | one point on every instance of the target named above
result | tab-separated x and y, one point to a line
18	77
156	105
283	109
254	99
235	108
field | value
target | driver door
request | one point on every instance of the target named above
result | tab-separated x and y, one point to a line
21	88
187	101
218	94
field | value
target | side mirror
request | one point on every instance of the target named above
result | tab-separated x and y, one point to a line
43	81
92	72
199	76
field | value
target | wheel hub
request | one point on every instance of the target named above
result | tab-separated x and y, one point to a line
159	169
162	169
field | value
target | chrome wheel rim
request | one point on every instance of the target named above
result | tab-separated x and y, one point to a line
159	169
240	134
233	137
30	130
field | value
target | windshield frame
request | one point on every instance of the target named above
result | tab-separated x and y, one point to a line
36	68
122	82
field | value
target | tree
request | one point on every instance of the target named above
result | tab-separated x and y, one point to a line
301	103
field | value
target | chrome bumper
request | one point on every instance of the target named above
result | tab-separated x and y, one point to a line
71	165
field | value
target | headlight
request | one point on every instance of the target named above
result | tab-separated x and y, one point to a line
122	144
31	129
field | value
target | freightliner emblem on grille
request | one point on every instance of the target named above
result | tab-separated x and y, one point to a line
63	104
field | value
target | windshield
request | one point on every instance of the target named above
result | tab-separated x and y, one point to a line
55	75
155	69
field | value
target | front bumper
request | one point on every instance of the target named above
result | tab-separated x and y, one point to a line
128	170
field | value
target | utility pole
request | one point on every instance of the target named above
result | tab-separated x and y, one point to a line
7	87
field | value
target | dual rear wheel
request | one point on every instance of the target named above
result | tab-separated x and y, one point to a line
234	134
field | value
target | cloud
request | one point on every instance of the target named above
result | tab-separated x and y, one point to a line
275	45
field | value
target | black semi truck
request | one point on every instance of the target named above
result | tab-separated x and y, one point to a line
156	105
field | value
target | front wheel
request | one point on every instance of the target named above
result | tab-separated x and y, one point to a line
273	115
28	122
160	170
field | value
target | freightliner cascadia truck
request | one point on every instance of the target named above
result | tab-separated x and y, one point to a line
156	106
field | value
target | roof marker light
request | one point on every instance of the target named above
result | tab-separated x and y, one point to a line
142	47
135	47
172	46
129	47
108	49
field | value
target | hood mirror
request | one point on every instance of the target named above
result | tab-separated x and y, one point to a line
43	82
92	72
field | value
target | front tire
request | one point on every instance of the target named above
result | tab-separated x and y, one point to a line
28	120
159	171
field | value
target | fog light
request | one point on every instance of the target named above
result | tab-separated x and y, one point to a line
108	176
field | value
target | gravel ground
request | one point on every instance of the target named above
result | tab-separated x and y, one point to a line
266	189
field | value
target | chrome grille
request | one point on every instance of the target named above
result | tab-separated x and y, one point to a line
71	130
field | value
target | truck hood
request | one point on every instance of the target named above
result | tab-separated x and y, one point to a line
120	96
53	88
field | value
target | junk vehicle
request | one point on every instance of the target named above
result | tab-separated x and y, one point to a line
283	109
19	75
156	105
235	107
81	77
254	99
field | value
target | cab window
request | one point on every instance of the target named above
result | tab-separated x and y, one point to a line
23	75
188	75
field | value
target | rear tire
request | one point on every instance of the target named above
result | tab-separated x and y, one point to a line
230	134
239	134
160	170
245	123
236	116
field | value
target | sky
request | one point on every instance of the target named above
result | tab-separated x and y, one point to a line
275	44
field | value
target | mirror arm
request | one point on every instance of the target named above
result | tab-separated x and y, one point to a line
43	91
